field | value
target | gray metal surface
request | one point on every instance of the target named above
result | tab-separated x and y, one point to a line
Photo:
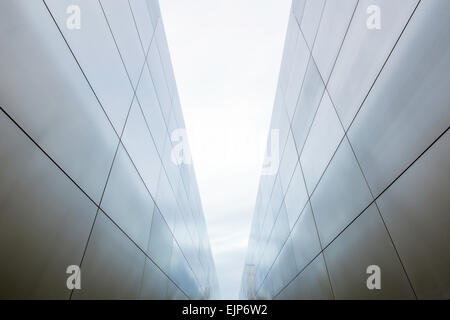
80	95
370	125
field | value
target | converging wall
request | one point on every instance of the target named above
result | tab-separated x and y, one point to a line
359	205
94	203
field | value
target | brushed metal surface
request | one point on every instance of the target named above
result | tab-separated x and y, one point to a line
44	220
365	243
113	265
416	210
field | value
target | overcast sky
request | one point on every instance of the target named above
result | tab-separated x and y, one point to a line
226	56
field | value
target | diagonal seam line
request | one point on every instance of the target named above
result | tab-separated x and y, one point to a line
310	59
354	153
134	97
374	200
81	69
345	131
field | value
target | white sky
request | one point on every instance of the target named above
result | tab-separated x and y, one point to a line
226	56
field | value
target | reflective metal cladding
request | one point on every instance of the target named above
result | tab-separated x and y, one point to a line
363	91
93	202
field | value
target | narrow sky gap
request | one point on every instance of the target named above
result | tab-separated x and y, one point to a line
226	56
